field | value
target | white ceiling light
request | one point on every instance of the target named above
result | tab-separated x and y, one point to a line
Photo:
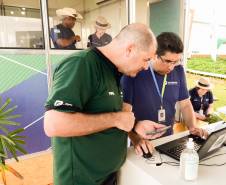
11	12
22	12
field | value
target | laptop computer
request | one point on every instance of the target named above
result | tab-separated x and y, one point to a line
203	147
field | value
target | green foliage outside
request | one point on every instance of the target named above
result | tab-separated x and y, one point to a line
208	65
215	117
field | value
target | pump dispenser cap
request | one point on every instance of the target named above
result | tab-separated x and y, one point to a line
190	144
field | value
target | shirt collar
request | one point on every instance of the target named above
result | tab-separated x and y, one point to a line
109	63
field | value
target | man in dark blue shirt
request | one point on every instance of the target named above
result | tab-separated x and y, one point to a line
62	35
153	93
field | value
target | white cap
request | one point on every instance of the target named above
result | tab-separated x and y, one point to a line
65	12
102	23
190	144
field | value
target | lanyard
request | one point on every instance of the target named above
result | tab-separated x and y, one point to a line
157	87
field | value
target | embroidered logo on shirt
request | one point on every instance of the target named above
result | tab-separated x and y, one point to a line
111	93
58	103
171	83
195	99
56	30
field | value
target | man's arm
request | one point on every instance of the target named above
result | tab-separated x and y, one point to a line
187	113
190	120
199	116
66	42
64	124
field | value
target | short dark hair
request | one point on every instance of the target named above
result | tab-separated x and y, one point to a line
169	42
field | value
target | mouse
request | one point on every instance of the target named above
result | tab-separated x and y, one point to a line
146	155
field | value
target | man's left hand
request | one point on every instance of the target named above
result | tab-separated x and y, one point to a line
77	38
199	132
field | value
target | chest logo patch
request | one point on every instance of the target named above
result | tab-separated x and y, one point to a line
172	83
56	30
111	93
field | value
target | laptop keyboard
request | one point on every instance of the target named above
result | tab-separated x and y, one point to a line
177	150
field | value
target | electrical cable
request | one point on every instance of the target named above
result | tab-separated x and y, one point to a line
172	163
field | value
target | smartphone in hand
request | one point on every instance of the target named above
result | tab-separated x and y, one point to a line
158	130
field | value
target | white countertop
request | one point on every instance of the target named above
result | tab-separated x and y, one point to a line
140	171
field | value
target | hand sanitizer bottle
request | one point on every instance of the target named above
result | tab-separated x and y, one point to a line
189	161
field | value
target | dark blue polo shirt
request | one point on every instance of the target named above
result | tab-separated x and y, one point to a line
94	41
141	93
198	102
61	32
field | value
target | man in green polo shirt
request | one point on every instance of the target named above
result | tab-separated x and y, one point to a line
85	116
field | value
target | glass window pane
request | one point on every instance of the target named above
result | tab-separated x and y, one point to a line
64	28
21	25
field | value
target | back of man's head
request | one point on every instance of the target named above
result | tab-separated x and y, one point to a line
169	42
138	34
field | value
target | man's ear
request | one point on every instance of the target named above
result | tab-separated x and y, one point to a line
130	49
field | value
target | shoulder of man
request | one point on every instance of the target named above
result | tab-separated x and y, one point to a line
179	68
78	58
56	29
179	71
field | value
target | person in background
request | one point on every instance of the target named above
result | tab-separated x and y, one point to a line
153	94
85	116
62	34
100	38
201	98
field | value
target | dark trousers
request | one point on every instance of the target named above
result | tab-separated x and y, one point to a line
111	180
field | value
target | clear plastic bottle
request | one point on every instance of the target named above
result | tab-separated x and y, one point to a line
189	161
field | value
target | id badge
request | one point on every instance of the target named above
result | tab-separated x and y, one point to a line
161	115
201	111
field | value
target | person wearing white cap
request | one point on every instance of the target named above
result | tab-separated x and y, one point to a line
62	35
100	38
201	98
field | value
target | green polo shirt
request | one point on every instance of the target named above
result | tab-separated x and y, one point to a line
87	82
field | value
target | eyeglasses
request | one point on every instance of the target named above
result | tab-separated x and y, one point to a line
169	62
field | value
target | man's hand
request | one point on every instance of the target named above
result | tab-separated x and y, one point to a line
142	127
77	38
124	121
199	132
200	116
139	143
